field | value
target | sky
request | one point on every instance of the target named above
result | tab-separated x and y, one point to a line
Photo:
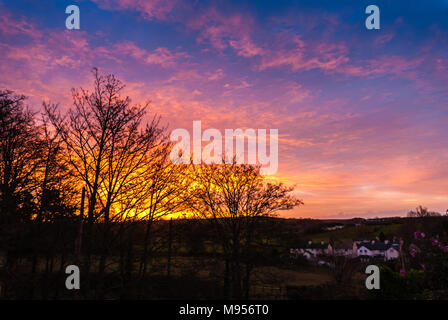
362	114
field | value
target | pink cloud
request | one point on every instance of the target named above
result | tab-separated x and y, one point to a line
290	50
12	26
217	75
225	30
160	56
385	65
245	47
384	38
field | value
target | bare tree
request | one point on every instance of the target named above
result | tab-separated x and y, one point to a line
20	160
421	212
233	198
20	154
55	202
165	194
108	149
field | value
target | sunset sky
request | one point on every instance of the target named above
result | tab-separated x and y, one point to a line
362	114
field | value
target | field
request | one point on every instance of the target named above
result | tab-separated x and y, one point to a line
352	232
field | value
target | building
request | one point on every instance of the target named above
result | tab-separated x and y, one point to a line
365	249
311	250
385	250
345	249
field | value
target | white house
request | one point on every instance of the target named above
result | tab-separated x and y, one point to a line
336	227
364	249
311	250
392	253
342	249
379	249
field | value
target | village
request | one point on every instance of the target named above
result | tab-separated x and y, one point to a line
365	249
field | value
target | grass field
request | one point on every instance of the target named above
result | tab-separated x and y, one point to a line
352	232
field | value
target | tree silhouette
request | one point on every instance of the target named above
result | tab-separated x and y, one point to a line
233	197
20	155
421	212
108	149
102	155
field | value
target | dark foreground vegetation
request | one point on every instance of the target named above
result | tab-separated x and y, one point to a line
185	260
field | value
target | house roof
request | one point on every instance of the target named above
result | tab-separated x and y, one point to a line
379	246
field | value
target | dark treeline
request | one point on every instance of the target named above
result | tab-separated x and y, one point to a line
92	184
